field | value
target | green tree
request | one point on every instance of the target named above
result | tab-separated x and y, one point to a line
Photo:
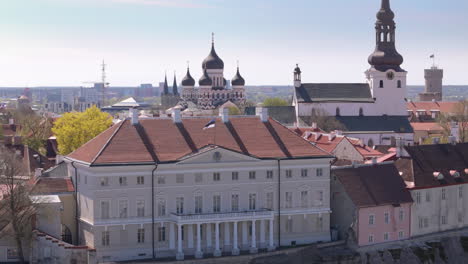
275	101
35	129
458	115
76	128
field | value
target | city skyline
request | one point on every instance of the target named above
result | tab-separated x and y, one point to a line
62	42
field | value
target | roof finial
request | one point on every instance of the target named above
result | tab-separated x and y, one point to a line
188	65
238	64
386	4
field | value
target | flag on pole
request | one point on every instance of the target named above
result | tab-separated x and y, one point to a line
210	124
432	56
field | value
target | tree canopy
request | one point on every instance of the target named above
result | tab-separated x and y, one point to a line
275	101
76	128
458	115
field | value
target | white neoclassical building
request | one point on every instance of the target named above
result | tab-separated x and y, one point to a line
171	187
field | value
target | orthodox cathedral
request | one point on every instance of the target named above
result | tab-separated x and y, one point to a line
213	89
375	110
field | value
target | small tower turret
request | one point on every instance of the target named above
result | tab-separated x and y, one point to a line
297	77
166	87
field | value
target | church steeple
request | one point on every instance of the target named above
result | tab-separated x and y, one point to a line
166	87
385	56
174	86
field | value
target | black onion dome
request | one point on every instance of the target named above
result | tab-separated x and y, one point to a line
205	80
188	79
385	56
213	61
237	80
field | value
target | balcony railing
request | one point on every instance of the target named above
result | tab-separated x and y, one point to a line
241	215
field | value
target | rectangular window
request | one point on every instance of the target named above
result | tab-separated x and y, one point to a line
319	172
460	192
304	172
216	176
179	178
162	207
235	202
269	200
371	219
289	199
418	197
320	196
320	223
198	204
180	205
443	194
105	238
421	222
161	180
401	215
289	225
123	181
401	234
161	234
216	204
387	218
385	236
198	177
252	175
104	181
270	174
428	196
444	219
141	235
304	199
426	222
288	173
252	201
460	217
123	208
371	239
141	180
235	175
141	208
105	209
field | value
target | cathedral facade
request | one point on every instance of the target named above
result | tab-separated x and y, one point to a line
213	89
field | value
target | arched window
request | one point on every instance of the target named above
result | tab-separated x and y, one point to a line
66	234
381	84
337	111
361	112
399	84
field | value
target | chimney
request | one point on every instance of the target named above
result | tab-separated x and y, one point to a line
176	115
399	147
314	125
133	115
455	130
338	132
331	136
38	172
11	121
435	140
452	140
374	160
224	114
262	113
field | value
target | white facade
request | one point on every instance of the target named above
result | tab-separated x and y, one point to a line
213	202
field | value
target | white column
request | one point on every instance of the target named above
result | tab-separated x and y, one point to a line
244	234
171	236
253	244
227	234
271	246
208	235
217	252
180	253
235	247
262	233
190	236
198	253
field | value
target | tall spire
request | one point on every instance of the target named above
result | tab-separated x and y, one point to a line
385	56
174	86
166	87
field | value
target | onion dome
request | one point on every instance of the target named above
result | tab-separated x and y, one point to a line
205	80
213	61
188	79
237	80
385	56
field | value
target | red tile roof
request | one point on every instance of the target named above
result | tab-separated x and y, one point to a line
52	186
373	185
431	126
162	140
443	107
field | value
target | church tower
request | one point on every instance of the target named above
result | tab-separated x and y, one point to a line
386	77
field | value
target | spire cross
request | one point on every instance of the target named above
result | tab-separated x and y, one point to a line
212	38
188	64
237	64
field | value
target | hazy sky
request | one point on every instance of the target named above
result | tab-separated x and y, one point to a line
62	42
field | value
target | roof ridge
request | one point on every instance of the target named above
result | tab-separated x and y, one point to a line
108	141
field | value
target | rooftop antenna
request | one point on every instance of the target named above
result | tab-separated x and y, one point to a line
103	80
433	61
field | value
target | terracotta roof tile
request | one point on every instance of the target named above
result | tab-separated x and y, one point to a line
123	143
431	126
52	185
443	107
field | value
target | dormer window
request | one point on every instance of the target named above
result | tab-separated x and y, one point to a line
438	175
455	174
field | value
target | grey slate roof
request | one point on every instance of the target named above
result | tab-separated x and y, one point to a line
286	115
398	124
334	92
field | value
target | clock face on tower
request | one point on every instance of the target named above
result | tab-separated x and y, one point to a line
390	75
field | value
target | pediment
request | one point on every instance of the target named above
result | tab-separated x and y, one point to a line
216	155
